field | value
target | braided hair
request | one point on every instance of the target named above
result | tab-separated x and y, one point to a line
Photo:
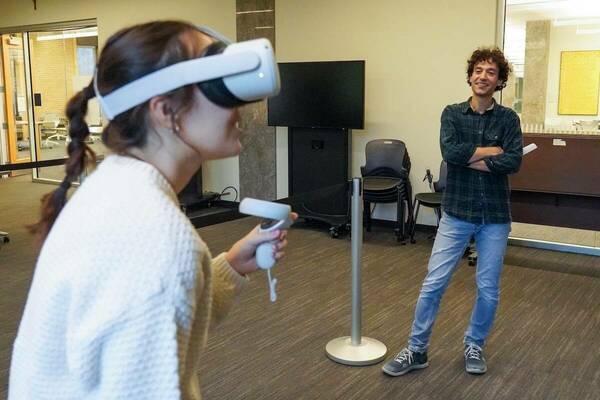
129	54
80	154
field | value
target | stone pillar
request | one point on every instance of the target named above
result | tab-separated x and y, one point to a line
257	161
508	93
535	82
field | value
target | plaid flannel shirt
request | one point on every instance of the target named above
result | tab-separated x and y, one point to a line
476	196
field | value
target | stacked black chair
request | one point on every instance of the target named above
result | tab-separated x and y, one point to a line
386	180
432	199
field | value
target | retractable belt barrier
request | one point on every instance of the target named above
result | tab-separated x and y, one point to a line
4	237
31	165
40	164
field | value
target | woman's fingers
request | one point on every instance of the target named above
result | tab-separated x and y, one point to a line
281	244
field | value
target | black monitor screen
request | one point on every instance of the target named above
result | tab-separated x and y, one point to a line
328	94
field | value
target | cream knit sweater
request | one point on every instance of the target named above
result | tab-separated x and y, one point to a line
122	297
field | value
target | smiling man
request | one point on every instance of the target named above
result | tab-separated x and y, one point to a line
482	144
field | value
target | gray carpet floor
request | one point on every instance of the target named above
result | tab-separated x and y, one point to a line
545	343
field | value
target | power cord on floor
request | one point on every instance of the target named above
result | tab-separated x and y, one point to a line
229	187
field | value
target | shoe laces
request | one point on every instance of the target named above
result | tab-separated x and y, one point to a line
405	356
473	352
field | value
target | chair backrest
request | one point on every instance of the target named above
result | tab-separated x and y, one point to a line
50	121
386	157
440	184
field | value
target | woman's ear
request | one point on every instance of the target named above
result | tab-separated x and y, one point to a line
160	112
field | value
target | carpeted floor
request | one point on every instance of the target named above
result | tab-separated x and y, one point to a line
545	343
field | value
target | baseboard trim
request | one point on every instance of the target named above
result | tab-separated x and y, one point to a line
554	246
223	210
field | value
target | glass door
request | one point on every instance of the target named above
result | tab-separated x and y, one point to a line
62	63
538	37
16	115
39	72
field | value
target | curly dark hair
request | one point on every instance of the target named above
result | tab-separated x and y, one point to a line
493	55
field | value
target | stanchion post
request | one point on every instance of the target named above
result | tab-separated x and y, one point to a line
356	349
356	243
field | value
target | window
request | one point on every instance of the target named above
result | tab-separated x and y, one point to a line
86	60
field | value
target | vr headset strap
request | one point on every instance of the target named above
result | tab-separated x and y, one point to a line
174	76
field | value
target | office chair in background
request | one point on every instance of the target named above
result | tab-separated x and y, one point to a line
386	180
432	199
53	127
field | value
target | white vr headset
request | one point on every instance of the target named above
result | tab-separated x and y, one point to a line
228	74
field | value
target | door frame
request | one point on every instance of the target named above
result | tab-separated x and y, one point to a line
8	101
34	137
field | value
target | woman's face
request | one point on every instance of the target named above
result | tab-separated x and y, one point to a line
211	130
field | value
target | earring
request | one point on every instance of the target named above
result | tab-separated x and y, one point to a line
175	126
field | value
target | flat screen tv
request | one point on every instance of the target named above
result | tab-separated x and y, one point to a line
326	94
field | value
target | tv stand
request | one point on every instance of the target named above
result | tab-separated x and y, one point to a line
318	173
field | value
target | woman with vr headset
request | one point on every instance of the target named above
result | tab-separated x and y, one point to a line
124	289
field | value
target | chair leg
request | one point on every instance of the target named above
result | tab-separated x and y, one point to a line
471	252
410	215
414	222
367	214
400	234
397	225
438	218
404	219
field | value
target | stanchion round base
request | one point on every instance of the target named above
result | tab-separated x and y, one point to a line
369	351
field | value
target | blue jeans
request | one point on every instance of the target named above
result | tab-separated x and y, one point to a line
452	238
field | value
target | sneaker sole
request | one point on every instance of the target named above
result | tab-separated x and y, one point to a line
476	371
415	367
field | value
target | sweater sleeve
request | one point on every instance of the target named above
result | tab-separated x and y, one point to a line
227	284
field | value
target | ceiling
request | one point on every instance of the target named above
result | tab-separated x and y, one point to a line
576	11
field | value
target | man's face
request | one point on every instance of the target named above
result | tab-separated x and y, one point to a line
484	78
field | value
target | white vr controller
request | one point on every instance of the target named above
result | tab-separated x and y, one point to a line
276	215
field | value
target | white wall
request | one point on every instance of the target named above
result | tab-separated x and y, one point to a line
113	15
415	54
564	38
415	51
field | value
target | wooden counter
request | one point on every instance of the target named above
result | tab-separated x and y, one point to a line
559	183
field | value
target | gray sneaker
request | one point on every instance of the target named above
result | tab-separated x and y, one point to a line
406	361
474	360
